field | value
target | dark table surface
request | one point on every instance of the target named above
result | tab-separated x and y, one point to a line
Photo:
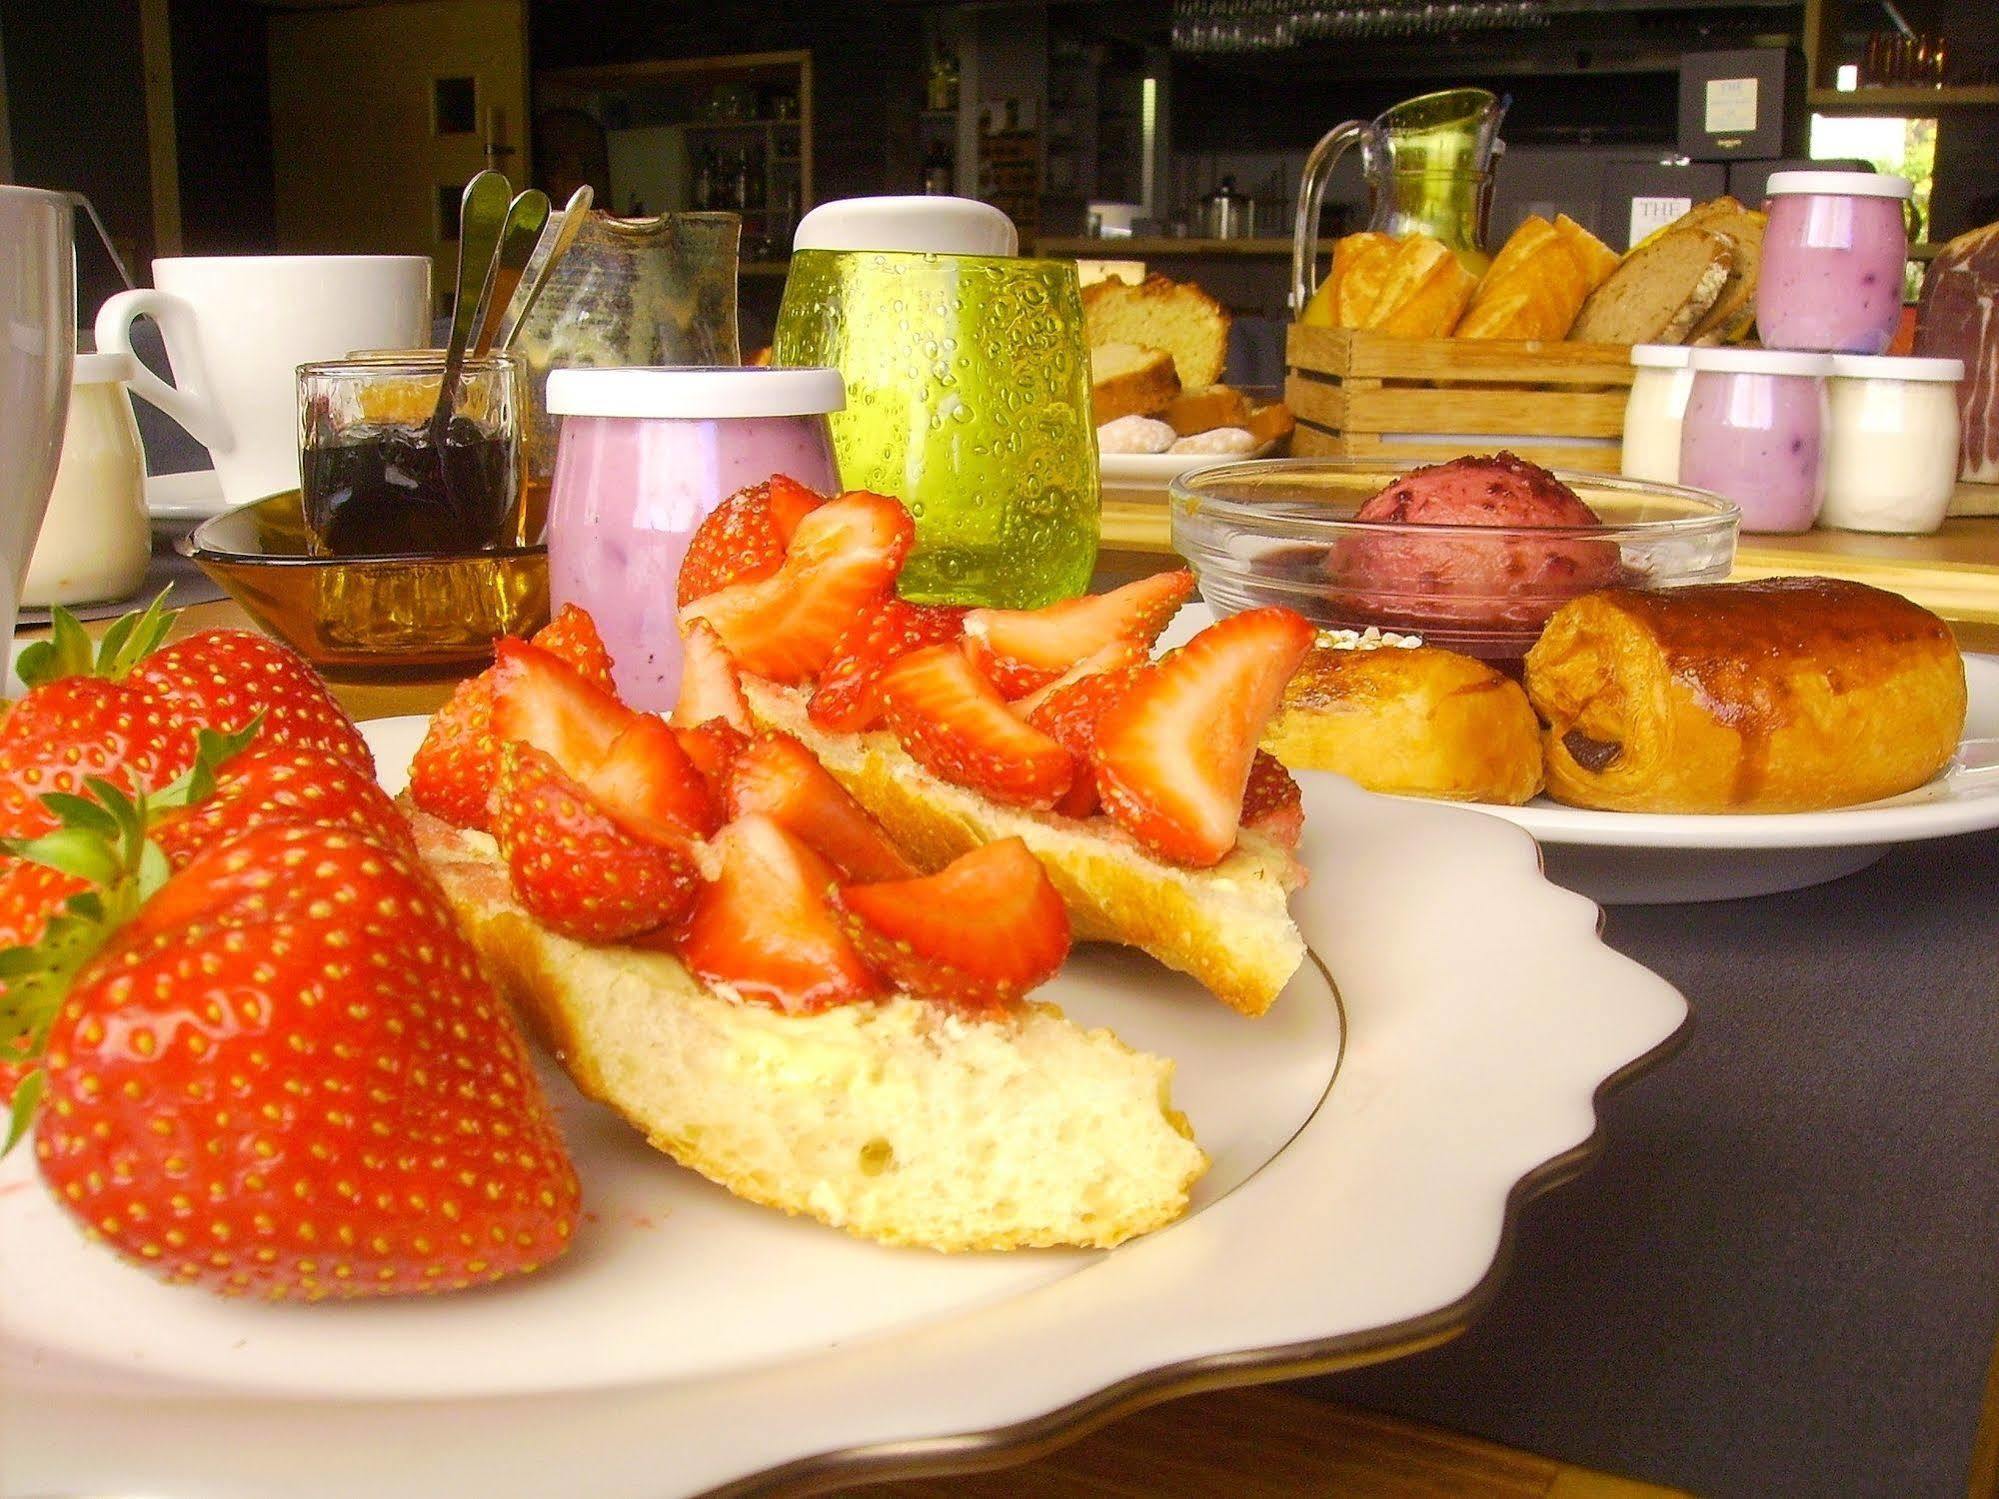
1782	1275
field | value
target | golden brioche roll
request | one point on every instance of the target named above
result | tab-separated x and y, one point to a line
1418	721
1789	695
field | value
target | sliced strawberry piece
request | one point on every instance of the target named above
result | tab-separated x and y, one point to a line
1117	656
1173	757
713	748
843	559
765	927
649	786
1272	804
777	776
848	696
744	538
572	637
1022	649
710	688
981	932
1069	716
452	774
954	722
574	868
542	701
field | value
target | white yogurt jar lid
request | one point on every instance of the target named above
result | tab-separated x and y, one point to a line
1760	362
916	223
1660	356
1895	367
103	369
695	393
1839	184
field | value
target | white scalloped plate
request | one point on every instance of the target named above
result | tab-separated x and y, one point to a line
679	1353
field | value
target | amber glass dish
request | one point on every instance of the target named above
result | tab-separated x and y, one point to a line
372	617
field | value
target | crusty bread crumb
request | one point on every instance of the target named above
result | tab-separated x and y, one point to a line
901	1122
1228	926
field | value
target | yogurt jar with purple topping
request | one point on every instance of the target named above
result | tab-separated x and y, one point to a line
645	455
1754	433
1833	257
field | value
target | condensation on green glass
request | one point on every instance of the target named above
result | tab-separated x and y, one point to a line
968	398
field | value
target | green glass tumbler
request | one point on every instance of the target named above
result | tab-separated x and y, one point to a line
968	398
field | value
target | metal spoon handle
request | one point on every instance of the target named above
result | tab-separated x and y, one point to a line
481	213
573	214
527	216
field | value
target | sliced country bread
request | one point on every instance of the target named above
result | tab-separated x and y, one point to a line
1660	292
1734	311
903	1121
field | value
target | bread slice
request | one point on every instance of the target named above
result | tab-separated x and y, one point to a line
1734	311
1203	410
902	1122
1129	380
1160	313
1228	926
1660	292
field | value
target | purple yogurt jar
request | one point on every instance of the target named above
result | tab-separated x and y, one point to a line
1754	433
1833	256
645	455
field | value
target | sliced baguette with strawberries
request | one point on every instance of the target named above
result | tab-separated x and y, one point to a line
766	987
1129	779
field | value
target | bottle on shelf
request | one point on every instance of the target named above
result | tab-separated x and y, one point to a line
703	191
938	172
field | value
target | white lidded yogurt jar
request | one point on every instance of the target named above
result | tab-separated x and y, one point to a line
1891	443
1654	411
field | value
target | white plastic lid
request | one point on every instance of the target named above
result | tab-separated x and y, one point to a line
1895	367
1839	184
1760	362
1660	356
920	224
695	393
103	369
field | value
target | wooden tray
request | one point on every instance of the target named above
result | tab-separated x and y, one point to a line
1420	400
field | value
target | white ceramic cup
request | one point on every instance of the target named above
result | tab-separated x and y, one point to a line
37	346
237	327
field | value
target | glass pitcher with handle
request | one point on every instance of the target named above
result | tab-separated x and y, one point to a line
1428	163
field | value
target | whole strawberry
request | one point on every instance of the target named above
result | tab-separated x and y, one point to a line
222	679
241	1093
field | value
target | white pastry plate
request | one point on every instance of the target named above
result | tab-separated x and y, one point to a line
1371	1150
1630	858
1163	468
182	499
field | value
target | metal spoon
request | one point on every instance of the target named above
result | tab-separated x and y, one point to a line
527	216
573	214
481	212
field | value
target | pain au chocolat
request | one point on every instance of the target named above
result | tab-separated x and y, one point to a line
1789	695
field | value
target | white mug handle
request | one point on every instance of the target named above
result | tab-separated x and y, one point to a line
189	400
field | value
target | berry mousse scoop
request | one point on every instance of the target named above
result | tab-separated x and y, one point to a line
1411	578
